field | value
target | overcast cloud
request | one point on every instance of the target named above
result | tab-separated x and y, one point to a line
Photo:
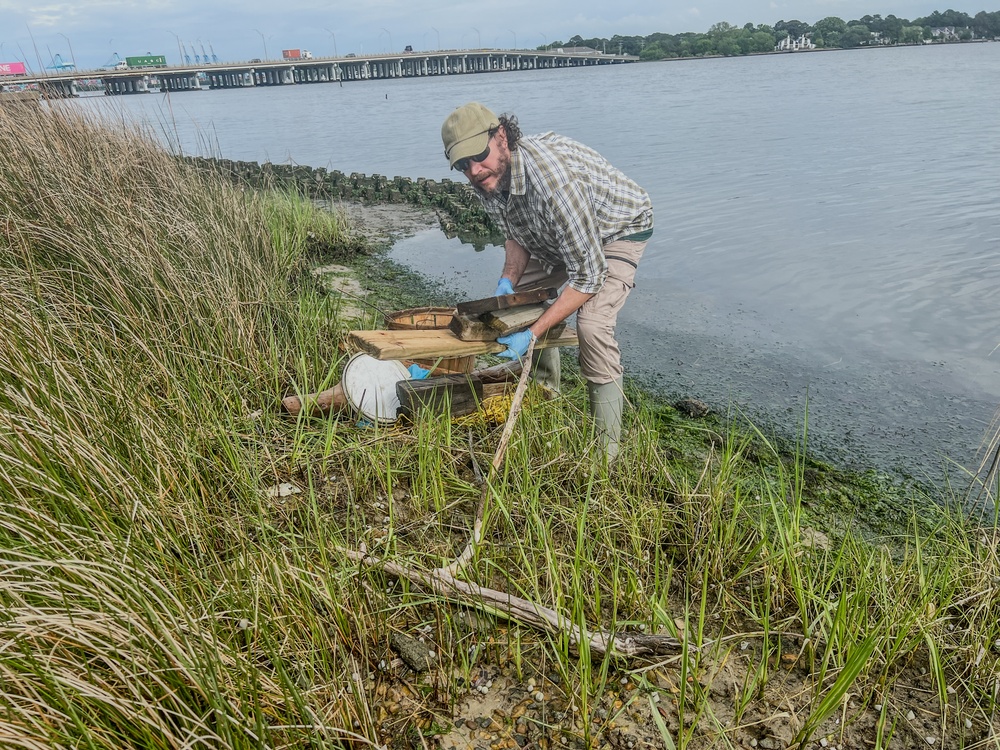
93	31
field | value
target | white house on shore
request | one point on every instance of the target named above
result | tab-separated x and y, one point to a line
944	33
794	45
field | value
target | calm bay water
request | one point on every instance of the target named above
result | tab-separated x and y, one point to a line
827	224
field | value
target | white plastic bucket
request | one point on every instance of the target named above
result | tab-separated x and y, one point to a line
370	386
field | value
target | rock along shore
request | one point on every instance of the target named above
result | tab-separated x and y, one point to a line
455	203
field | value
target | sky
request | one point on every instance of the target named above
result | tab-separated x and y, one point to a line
93	32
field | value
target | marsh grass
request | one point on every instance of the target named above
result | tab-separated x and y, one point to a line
153	594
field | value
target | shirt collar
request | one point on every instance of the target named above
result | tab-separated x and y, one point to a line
518	182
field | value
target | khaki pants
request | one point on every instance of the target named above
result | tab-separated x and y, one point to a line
600	357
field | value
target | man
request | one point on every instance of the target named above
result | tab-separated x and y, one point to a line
570	218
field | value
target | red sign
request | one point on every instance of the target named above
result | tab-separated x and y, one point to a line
12	69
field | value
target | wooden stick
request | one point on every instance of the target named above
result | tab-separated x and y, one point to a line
465	557
487	304
317	404
515	407
600	642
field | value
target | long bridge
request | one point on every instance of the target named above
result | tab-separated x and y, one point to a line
214	76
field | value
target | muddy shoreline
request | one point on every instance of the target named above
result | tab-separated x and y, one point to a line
393	283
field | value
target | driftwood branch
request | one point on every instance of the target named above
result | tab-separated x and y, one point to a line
600	642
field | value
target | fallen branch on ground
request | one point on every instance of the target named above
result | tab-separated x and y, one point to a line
600	642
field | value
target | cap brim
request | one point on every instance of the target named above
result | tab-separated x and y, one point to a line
472	146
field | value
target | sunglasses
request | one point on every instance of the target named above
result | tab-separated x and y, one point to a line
462	165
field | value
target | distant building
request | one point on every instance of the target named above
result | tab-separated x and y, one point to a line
944	33
795	45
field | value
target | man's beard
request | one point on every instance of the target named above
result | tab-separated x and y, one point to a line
502	170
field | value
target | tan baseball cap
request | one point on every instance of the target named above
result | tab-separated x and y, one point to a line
466	132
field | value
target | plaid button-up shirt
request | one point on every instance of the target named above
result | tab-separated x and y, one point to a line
565	203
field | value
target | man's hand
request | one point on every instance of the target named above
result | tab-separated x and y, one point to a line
517	344
504	287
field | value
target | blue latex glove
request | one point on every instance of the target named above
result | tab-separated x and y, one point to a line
517	344
417	372
503	287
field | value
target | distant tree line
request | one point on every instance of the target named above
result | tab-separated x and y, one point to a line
831	32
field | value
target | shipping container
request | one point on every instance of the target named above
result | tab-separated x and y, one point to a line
12	69
146	61
291	54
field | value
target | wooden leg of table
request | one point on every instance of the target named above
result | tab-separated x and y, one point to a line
317	404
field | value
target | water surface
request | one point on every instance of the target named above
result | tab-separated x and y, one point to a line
827	224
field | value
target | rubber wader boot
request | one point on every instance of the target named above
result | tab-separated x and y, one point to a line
546	367
606	402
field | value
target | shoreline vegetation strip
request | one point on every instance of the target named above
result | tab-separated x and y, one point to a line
172	564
